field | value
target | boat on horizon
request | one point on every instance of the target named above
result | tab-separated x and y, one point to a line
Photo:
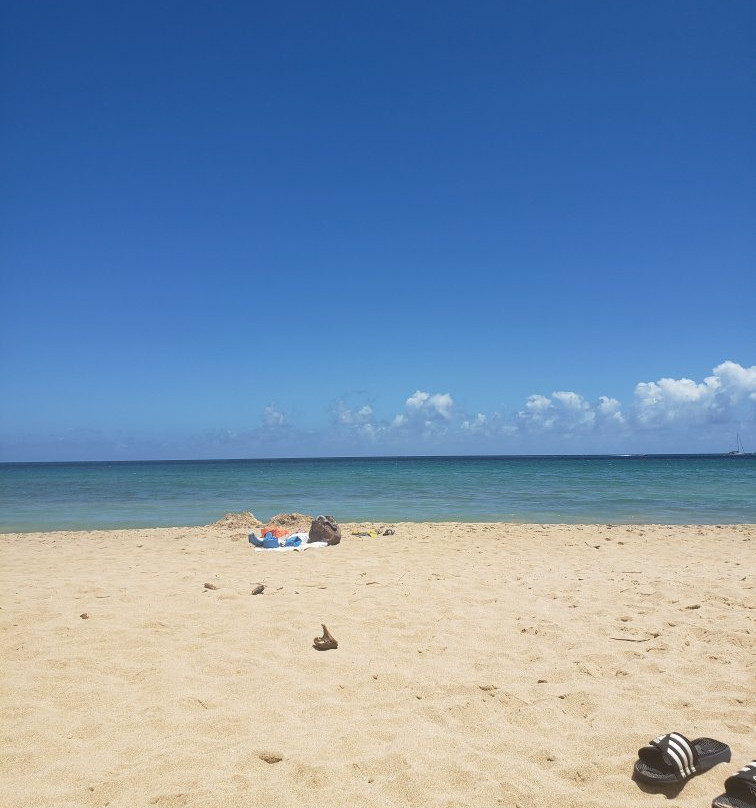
739	450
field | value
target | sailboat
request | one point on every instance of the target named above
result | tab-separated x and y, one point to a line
738	450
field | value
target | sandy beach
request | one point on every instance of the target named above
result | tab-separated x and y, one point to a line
478	665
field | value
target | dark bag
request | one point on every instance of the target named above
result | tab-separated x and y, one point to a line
325	528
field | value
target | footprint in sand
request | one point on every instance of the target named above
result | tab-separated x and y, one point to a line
170	800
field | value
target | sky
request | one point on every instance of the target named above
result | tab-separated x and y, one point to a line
249	229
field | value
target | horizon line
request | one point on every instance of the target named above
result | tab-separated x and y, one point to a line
630	455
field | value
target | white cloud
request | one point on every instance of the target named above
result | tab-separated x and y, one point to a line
736	378
425	414
477	425
568	412
575	409
491	426
357	421
371	430
344	415
275	430
272	417
539	412
537	403
683	401
431	405
719	399
609	410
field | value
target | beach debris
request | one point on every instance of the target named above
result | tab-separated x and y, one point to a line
259	589
85	616
270	757
374	532
325	528
325	642
210	586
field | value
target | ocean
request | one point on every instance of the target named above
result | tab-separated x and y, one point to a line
677	489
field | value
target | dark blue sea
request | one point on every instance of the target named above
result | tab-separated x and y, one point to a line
679	489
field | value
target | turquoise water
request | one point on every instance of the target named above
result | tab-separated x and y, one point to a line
680	489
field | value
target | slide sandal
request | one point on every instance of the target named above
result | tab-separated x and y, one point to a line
672	758
740	789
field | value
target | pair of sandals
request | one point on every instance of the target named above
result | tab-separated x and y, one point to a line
672	759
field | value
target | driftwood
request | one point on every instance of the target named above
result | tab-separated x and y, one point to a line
326	641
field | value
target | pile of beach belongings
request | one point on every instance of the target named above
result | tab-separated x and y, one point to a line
324	531
371	534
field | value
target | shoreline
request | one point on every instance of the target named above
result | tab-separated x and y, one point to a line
478	664
374	524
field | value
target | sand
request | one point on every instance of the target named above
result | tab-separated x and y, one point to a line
478	665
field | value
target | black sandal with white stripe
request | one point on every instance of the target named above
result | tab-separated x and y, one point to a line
672	758
740	789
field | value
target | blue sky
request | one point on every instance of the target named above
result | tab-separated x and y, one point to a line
253	230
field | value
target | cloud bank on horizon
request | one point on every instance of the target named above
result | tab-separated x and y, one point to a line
666	415
727	396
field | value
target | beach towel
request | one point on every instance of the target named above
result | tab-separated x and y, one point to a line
300	547
296	541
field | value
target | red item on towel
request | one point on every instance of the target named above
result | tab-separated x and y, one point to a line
276	532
